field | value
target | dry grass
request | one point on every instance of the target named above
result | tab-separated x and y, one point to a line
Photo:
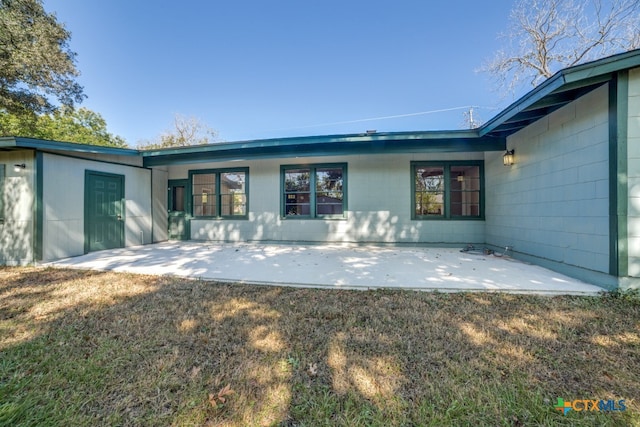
89	348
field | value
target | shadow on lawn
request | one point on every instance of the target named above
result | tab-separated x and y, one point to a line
106	348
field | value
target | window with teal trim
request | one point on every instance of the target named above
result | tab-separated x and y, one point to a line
447	190
2	175
314	191
219	193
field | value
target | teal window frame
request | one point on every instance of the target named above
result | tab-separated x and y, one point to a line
446	166
218	197
3	169
313	168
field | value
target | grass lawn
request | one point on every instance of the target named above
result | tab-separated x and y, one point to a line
92	348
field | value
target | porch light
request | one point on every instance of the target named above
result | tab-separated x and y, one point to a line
17	168
507	158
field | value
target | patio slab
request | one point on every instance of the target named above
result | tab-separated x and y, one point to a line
334	266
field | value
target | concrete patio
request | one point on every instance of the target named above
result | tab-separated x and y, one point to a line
335	266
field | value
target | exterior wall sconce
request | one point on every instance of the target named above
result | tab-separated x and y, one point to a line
507	158
19	167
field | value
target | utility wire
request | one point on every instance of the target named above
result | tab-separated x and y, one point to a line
397	116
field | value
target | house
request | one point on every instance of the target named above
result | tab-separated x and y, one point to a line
555	176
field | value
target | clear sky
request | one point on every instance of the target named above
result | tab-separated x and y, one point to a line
254	69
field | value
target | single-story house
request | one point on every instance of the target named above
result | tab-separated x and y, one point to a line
555	176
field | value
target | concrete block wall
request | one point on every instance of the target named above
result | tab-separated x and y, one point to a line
159	185
120	159
378	208
633	171
17	230
553	202
63	204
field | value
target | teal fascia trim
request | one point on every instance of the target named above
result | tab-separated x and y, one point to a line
38	227
579	76
593	81
42	144
618	175
610	64
311	140
553	83
422	142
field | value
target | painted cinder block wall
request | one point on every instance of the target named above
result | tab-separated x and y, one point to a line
159	196
553	203
633	171
17	230
378	208
131	160
63	204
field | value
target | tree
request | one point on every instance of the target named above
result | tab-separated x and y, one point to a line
65	124
186	131
36	63
78	125
545	36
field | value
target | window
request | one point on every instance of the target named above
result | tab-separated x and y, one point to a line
447	190
2	172
177	198
219	193
315	191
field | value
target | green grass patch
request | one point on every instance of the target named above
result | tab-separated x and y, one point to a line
90	348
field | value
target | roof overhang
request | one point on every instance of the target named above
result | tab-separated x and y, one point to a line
16	143
562	88
329	145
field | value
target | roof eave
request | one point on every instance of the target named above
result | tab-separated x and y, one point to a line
588	74
535	95
470	142
314	140
43	144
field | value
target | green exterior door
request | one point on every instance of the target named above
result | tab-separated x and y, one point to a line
104	211
178	217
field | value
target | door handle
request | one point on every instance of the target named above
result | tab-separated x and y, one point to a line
119	218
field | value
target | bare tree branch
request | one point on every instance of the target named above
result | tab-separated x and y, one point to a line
545	36
186	131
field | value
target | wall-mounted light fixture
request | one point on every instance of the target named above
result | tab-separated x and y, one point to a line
508	158
19	167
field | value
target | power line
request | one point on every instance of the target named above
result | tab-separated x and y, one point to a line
397	116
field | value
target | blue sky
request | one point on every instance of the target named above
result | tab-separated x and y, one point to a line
264	69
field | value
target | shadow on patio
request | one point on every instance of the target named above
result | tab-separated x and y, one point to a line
335	266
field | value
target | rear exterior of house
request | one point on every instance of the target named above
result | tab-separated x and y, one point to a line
61	200
569	202
347	198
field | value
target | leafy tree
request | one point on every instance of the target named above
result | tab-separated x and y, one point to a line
545	36
36	63
186	131
23	124
65	124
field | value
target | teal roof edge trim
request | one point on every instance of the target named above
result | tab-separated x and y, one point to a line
565	83
560	89
43	144
363	138
463	141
